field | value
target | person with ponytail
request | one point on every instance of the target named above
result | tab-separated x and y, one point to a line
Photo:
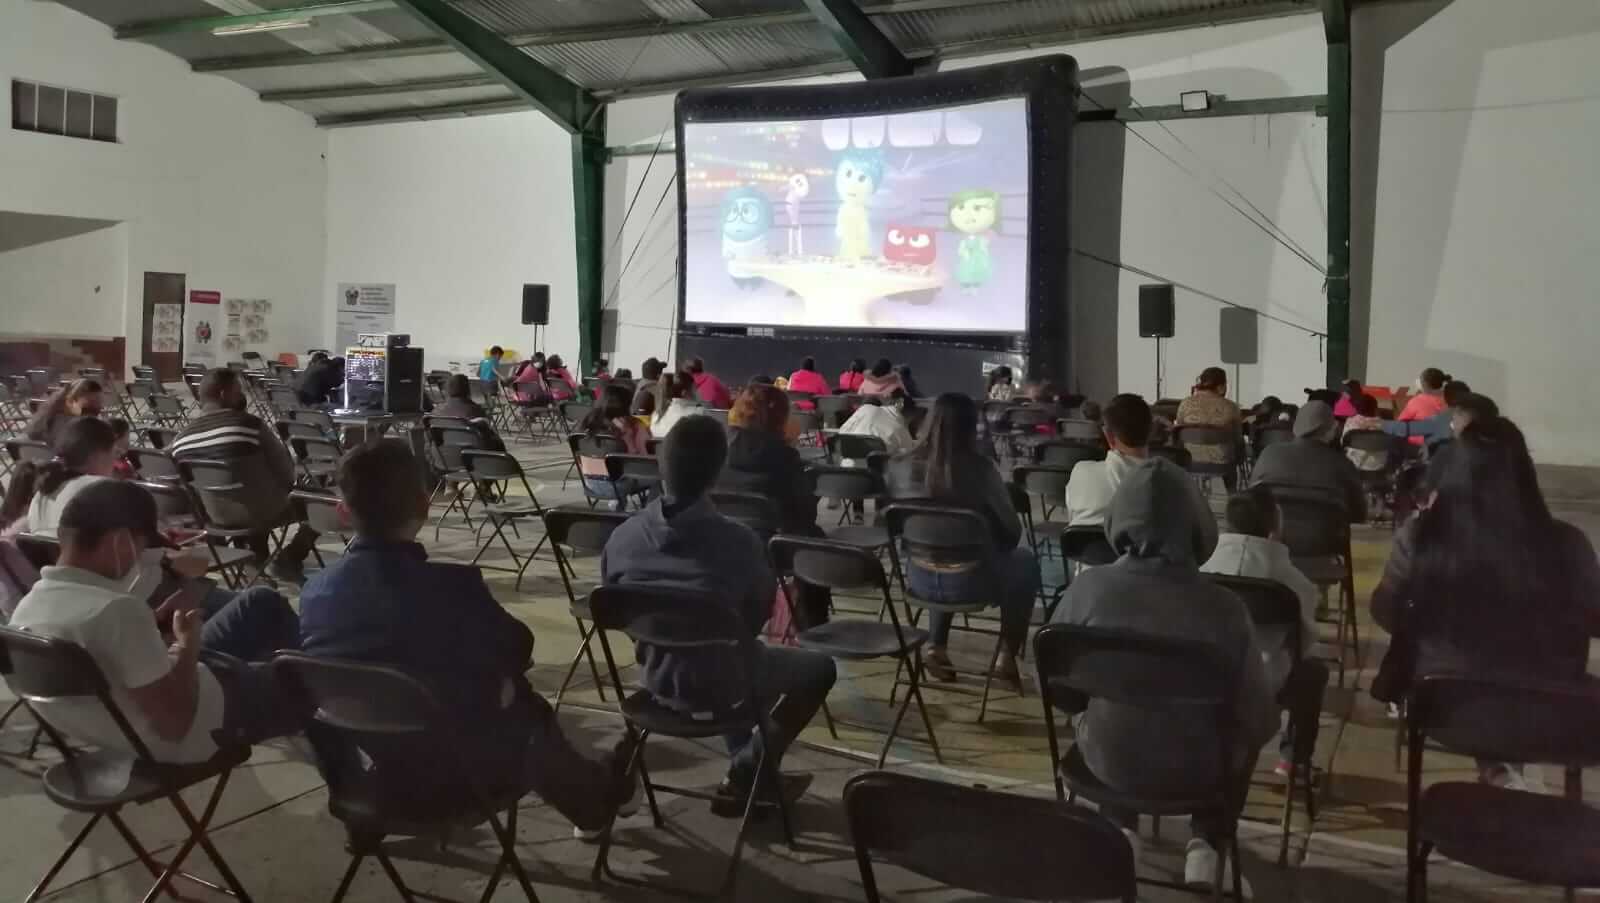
83	398
85	452
1208	405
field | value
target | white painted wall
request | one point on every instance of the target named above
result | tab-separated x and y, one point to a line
68	287
1170	222
206	180
1482	132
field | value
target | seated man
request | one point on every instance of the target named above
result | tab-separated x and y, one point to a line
680	542
1310	461
1252	548
180	707
319	384
1126	422
385	603
1156	588
226	431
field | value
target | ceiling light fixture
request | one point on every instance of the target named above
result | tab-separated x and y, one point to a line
228	31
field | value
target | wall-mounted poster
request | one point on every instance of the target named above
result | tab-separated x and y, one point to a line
363	307
166	329
202	327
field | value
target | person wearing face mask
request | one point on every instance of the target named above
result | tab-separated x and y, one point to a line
181	707
83	398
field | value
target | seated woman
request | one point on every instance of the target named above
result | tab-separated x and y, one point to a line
611	418
1000	387
882	380
1484	580
851	379
947	467
528	382
556	368
1208	405
762	459
458	403
83	398
673	403
1429	401
807	379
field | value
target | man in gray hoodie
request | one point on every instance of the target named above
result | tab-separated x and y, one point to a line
1156	587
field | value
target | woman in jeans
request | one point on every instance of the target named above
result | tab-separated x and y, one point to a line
946	467
1484	580
611	418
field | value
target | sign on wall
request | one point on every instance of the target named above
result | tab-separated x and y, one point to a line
363	307
166	325
202	327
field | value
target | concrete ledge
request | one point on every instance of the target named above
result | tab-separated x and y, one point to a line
1569	483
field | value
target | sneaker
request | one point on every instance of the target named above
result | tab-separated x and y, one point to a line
631	793
730	799
1200	869
936	666
627	809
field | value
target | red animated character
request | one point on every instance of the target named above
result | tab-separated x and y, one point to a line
909	245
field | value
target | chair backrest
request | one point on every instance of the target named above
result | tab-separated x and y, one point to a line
226	500
283	400
1176	454
21	450
1073	430
968	838
290	429
1314	522
357	697
583	531
638	467
1220	437
316	448
850	483
675	619
1049	483
321	511
1270	603
576	412
1062	453
802	423
598	445
829	405
752	509
489	464
450	441
854	446
160	437
166	406
40	550
173	502
40	669
1078	663
823	562
430	421
43	381
953	538
1087	544
1508	719
320	420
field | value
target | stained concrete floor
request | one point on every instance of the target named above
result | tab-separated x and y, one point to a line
274	829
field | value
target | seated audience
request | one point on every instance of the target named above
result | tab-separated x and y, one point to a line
602	370
489	367
1208	405
458	403
907	381
225	431
180	707
319	384
850	380
672	403
38	493
611	418
1127	424
807	379
947	467
707	387
1365	419
644	394
384	602
556	376
1429	401
1156	588
1310	461
881	379
83	398
527	384
680	542
1436	427
1251	547
1345	407
1484	580
885	418
1000	386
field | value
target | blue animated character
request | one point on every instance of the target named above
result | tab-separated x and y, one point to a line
746	222
858	176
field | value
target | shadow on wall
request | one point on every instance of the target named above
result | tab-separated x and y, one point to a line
1098	153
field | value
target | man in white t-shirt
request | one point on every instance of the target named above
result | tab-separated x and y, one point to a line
1126	422
178	705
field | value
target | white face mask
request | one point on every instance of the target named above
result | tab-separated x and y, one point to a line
130	577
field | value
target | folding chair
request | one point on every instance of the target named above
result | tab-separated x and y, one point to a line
1271	435
1161	677
1275	606
1316	528
320	512
448	443
500	468
1066	453
318	459
167	411
573	414
680	621
836	409
841	567
635	476
967	838
175	508
358	703
160	438
1086	546
1080	432
581	532
1024	435
1049	485
1532	837
1224	438
953	540
598	446
281	401
220	494
20	450
321	421
853	486
43	671
12	413
754	510
44	381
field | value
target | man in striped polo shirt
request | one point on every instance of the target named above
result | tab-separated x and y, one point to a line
226	431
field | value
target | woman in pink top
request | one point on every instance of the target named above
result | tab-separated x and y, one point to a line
1429	400
807	379
1345	407
882	380
850	380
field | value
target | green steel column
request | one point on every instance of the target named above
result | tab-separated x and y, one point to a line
1336	23
588	199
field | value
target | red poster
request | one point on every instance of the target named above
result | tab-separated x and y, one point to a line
199	297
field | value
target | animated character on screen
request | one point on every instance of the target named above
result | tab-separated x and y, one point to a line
799	188
746	221
910	246
858	176
974	213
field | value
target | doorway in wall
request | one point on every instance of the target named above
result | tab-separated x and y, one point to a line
162	344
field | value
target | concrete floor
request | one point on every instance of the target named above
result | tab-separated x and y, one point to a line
274	829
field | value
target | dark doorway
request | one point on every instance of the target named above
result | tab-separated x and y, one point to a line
163	324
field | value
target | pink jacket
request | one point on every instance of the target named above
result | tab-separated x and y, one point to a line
808	381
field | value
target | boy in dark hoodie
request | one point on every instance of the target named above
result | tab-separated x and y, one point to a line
1156	587
680	542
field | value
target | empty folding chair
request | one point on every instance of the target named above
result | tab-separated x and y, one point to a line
152	465
160	437
854	487
320	512
501	469
223	509
571	533
634	476
167	411
1316	528
448	442
318	459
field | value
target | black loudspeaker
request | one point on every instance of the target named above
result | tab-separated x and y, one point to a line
1238	330
1155	311
535	305
402	389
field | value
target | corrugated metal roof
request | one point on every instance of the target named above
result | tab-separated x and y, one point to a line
513	16
350	106
932	29
390	71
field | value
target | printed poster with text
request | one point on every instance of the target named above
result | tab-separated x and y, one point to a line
364	307
202	327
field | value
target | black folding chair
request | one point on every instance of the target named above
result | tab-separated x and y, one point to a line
1275	606
951	540
43	671
500	469
853	486
1316	527
572	532
842	567
1080	432
836	409
448	443
1161	677
20	450
1064	453
358	703
320	512
681	621
220	493
596	446
318	459
160	437
321	421
633	476
167	411
967	837
152	465
1226	439
1530	837
1086	546
853	447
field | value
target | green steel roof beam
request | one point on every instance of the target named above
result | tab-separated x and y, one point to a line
157	27
550	92
868	47
335	92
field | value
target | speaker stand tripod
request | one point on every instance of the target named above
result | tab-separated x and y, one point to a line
1159	380
538	340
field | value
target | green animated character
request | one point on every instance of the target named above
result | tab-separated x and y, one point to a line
975	213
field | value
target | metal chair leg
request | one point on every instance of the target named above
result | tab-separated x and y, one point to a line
927	722
349	876
394	876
